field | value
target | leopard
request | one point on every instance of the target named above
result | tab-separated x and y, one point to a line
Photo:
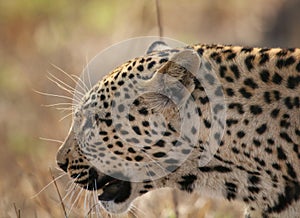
218	120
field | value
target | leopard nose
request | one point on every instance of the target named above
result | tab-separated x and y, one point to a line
64	166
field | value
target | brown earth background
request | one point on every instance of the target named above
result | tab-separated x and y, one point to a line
37	33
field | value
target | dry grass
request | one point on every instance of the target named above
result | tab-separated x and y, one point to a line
34	34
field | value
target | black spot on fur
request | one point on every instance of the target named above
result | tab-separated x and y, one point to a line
253	189
264	75
138	158
145	123
286	137
244	93
108	122
256	142
222	71
240	134
298	67
121	82
255	109
249	82
254	179
143	111
235	150
186	184
276	166
204	100
293	82
119	143
140	68
130	117
249	62
231	56
160	143
230	122
267	97
216	57
260	161
277	79
217	168
235	71
137	130
264	58
288	103
231	190
274	113
159	154
163	60
238	106
230	92
131	150
285	62
207	123
260	130
281	154
246	49
200	51
151	64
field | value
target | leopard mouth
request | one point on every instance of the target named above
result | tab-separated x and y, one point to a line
115	190
112	189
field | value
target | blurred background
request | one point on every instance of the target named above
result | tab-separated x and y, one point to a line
34	34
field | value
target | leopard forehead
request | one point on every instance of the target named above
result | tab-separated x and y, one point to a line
100	120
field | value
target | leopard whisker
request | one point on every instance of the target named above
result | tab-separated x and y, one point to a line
58	84
51	140
71	199
70	77
92	208
88	72
89	205
85	206
75	201
80	83
64	109
62	84
66	116
96	198
56	95
75	97
60	104
70	189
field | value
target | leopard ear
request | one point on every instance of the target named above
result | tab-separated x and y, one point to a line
157	46
175	78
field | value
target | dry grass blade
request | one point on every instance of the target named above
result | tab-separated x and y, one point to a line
175	203
59	195
18	211
158	17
